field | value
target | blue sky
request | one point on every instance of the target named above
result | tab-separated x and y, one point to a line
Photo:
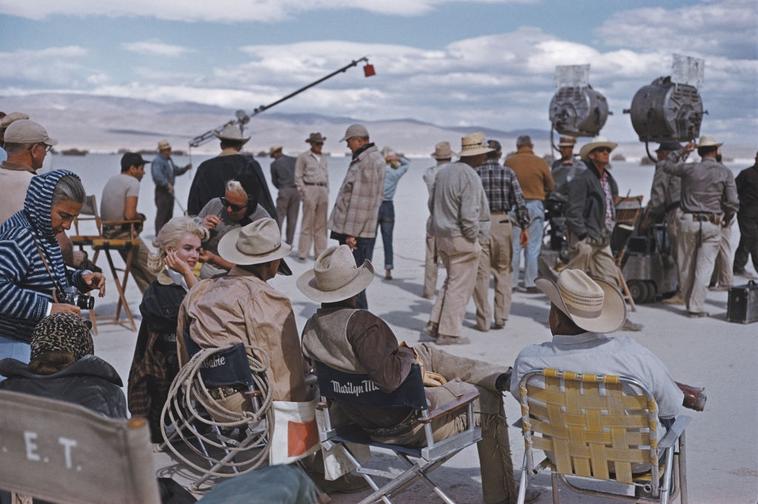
487	62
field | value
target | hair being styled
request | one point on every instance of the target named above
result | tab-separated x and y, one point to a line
169	237
69	188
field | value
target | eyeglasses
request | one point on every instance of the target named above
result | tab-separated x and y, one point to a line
235	208
48	148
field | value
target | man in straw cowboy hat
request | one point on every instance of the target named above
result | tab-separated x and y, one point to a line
708	203
443	153
288	199
460	221
231	164
356	210
582	310
312	181
164	173
591	216
568	166
352	340
241	307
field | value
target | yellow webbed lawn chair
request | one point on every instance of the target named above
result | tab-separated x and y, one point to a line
600	427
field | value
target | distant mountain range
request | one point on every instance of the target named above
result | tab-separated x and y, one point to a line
107	124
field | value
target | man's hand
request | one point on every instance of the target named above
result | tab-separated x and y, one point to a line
524	237
211	221
94	281
170	188
690	147
188	166
207	256
352	242
65	308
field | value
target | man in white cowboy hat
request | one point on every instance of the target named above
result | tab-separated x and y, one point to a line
443	153
591	216
231	164
582	310
356	341
164	173
460	221
241	307
354	218
568	166
312	181
708	203
288	199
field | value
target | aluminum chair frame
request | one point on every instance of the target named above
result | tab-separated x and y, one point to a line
626	402
420	460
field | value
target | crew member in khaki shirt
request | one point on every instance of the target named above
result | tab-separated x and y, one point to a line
312	181
241	307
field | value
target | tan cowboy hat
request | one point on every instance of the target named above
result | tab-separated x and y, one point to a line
315	138
275	148
593	305
443	151
598	141
335	277
257	243
232	132
473	145
706	141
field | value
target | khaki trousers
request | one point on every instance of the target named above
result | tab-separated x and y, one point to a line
722	272
431	265
287	207
460	258
495	258
494	449
597	262
698	248
313	225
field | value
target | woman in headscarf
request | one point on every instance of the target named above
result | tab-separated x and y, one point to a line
155	364
32	273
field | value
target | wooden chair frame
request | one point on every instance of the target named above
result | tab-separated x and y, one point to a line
596	427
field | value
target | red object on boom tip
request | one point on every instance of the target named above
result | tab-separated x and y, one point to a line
368	70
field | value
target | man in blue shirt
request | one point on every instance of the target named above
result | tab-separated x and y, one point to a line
164	173
396	167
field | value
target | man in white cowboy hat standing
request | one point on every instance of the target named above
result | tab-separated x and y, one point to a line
241	307
709	202
231	164
460	221
164	173
356	341
288	199
582	310
567	167
591	216
443	153
356	210
312	181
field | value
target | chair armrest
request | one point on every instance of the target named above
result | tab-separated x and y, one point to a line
121	222
451	407
674	432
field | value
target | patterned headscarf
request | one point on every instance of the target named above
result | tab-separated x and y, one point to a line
62	332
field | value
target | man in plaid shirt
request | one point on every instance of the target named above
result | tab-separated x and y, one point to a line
503	193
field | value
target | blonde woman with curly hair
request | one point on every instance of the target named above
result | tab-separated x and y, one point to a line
155	364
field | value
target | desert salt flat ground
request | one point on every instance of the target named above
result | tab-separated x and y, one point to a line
722	441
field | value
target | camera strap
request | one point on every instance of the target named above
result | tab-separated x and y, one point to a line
49	273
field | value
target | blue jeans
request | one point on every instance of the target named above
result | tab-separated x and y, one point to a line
14	349
363	250
537	221
386	225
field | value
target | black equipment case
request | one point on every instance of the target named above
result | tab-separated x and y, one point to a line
743	303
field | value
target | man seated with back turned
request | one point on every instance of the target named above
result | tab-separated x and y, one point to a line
356	341
581	311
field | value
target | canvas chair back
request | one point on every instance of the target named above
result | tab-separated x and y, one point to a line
65	453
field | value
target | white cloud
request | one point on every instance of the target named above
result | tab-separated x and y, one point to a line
155	48
58	66
232	11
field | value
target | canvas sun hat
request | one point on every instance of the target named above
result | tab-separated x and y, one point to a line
335	276
257	243
593	305
10	118
275	148
231	132
355	130
595	143
24	131
473	145
443	151
163	145
705	141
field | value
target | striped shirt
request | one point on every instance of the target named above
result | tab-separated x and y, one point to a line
503	190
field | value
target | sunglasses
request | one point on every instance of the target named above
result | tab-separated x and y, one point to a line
235	208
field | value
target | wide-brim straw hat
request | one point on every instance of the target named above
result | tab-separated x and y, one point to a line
232	132
443	151
474	144
335	276
593	305
706	141
257	243
595	143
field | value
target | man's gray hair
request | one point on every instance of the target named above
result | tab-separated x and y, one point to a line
69	188
234	186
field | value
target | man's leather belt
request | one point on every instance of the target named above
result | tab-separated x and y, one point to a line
713	218
321	184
